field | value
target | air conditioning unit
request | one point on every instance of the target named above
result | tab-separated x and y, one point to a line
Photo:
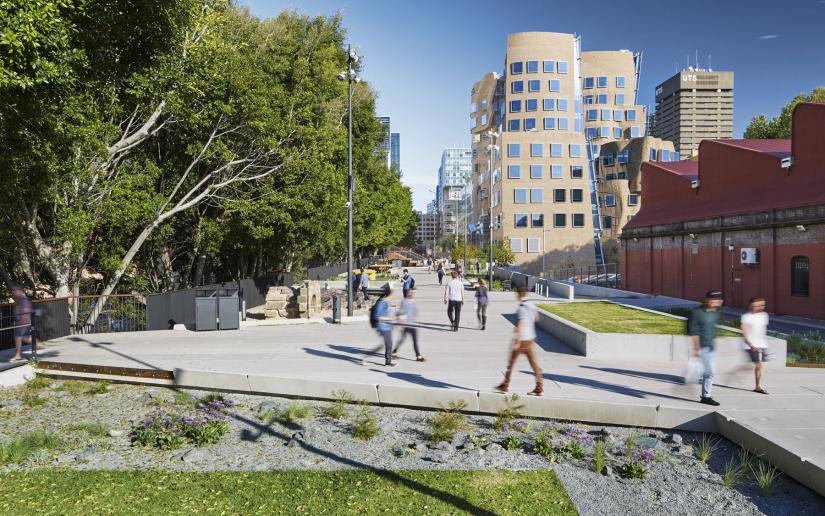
749	255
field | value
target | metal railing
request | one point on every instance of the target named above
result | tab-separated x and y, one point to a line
608	275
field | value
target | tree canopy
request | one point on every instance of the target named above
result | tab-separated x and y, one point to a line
761	127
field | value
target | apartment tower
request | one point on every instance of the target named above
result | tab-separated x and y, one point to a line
692	106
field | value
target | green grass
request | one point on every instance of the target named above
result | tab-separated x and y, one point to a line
610	318
93	429
284	492
18	449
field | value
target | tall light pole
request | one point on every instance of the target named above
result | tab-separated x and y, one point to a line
492	148
350	76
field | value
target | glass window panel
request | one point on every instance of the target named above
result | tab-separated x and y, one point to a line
578	220
620	80
562	66
557	171
520	196
537	220
549	123
617	132
618	115
559	220
592	114
564	123
517	86
556	150
630	115
601	98
520	220
559	195
589	99
536	150
514	171
606	114
575	150
549	104
576	171
531	104
537	195
555	85
532	66
602	81
620	99
576	195
562	104
515	106
633	199
533	244
517	67
529	124
514	124
534	85
549	67
536	171
589	82
513	150
516	245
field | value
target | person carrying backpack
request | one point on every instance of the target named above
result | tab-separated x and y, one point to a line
440	271
481	303
380	319
407	283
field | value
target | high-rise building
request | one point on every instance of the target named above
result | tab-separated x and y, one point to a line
427	232
384	149
692	106
395	152
553	109
453	175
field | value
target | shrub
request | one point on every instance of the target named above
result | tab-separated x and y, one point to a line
765	476
706	447
93	429
640	458
365	426
543	446
732	475
447	422
202	431
338	409
215	406
808	347
599	456
170	430
633	470
511	410
293	412
73	386
184	399
38	382
32	400
100	387
577	439
512	442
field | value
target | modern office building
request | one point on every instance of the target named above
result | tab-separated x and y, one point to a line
384	149
746	218
694	105
427	234
453	174
548	116
395	152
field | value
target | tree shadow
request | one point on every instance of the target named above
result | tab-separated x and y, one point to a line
662	377
392	476
104	346
336	356
605	386
421	380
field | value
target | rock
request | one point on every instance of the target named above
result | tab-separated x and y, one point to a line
607	471
268	405
469	445
420	446
444	446
56	384
102	395
52	429
192	455
676	439
494	447
115	433
402	450
438	456
11	405
606	431
150	396
85	456
52	394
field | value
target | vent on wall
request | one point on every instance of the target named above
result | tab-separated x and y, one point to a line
749	256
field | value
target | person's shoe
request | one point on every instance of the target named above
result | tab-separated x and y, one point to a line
502	388
483	327
538	391
709	401
420	359
391	364
395	354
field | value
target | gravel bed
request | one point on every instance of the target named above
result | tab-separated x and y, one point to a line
677	482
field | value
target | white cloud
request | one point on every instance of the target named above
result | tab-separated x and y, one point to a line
769	36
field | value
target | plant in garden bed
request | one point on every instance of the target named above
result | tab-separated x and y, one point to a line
293	413
640	458
512	442
365	426
184	399
447	422
19	449
807	348
32	400
577	439
93	429
100	387
600	458
38	382
338	409
507	415
733	474
170	430
542	445
706	447
765	475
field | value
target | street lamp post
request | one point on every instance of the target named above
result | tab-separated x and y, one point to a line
492	148
350	76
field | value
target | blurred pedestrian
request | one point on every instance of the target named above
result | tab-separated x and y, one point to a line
440	271
703	331
454	298
524	339
755	331
380	319
365	284
22	321
407	283
481	303
408	316
478	268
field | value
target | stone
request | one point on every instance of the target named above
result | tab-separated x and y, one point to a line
459	440
11	405
608	472
402	450
102	395
191	455
52	394
151	395
52	429
676	439
438	456
268	405
115	433
420	446
494	447
56	384
469	445
444	446
85	456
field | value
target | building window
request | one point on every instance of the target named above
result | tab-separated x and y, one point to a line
633	199
513	171
592	114
608	222
537	220
549	122
537	195
800	276
555	85
520	220
630	115
589	99
559	220
607	159
604	131
529	124
533	245
618	115
514	124
576	171
578	220
559	195
589	82
576	195
575	150
517	86
601	98
549	67
665	155
515	245
532	67
624	156
536	150
592	132
513	150
578	124
652	154
534	85
556	172
617	133
620	81
561	105
562	66
610	200
619	99
516	68
520	196
515	106
549	104
675	156
556	150
602	81
536	171
564	123
635	131
606	114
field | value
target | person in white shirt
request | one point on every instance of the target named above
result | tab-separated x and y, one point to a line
755	332
524	339
454	298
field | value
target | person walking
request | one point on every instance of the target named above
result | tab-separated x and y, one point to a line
454	298
440	271
459	267
524	339
755	331
702	330
407	283
481	303
365	284
408	316
380	319
478	268
22	321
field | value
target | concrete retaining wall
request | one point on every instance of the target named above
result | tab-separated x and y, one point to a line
584	290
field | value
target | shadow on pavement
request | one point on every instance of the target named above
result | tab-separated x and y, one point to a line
662	377
103	346
336	356
421	380
605	386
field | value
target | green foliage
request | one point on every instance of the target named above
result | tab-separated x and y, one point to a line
294	412
600	458
17	450
338	409
706	447
542	445
100	387
760	127
184	399
447	422
765	476
507	415
93	429
512	442
365	426
38	382
807	348
633	470
733	474
210	432
33	400
574	449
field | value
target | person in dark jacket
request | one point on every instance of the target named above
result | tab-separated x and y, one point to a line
22	321
482	298
703	331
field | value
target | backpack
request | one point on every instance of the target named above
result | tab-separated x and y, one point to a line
374	314
412	282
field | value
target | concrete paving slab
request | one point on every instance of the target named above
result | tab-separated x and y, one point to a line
310	388
427	397
236	382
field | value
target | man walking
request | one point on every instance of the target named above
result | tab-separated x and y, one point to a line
407	283
380	319
702	329
408	316
755	331
454	298
365	284
22	321
524	338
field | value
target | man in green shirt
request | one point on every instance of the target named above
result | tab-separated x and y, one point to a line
702	329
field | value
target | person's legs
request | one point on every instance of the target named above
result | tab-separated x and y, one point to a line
707	357
757	371
457	313
530	351
450	308
400	341
387	334
508	373
483	316
404	292
18	347
414	334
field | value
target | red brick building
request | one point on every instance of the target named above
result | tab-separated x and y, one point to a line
747	218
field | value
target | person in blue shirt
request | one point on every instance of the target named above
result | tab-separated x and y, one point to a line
407	283
384	328
365	284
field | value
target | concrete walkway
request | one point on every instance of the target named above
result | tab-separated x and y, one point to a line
792	417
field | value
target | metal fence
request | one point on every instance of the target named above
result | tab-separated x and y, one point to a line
328	271
608	275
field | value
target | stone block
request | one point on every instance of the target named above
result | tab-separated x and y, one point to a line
237	382
426	397
310	388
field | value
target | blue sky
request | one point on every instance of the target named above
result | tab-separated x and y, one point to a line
423	56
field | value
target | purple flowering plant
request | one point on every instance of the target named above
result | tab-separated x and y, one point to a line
169	430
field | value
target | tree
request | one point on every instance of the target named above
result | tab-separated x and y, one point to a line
760	127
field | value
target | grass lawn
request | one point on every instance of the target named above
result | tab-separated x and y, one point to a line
610	318
284	492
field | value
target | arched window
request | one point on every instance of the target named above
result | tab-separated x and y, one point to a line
799	276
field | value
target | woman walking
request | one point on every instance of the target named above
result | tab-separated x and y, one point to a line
440	271
481	303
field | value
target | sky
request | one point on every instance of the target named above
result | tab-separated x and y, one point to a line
423	56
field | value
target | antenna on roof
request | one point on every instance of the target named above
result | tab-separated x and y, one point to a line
710	63
697	58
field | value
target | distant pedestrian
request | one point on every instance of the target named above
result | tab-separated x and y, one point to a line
459	267
454	298
407	283
478	268
481	303
380	319
702	329
755	331
22	321
524	339
440	271
365	284
408	316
